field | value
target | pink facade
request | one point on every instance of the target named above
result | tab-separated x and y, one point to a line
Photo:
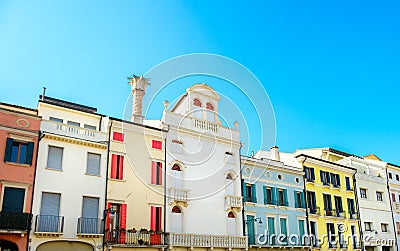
19	133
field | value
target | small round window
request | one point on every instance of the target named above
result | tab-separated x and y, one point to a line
297	180
279	176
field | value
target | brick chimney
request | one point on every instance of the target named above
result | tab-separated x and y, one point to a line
275	153
139	84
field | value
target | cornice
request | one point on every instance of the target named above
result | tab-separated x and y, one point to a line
75	141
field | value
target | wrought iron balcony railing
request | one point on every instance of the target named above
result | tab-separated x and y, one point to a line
133	238
15	221
49	224
314	210
89	226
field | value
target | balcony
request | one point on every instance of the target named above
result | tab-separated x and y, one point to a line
89	227
73	131
353	216
205	125
179	194
330	212
340	213
15	222
206	241
49	225
233	202
133	238
314	210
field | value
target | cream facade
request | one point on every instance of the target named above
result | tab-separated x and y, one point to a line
70	178
393	177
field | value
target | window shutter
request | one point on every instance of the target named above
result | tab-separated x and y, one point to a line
90	207
159	175
244	190
265	195
114	162
122	236
296	202
322	176
153	172
273	191
338	179
253	193
153	213
107	227
29	156
121	167
285	198
50	204
303	200
312	173
93	164
393	197
54	159
156	144
7	154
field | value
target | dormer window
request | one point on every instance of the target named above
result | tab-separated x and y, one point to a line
197	112
210	114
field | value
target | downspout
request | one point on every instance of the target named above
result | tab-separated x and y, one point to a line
358	208
305	198
105	193
165	186
241	189
33	184
391	209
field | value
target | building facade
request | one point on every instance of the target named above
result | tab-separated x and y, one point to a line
275	208
331	204
393	179
19	133
204	203
70	182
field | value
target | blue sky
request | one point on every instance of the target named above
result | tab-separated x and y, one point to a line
331	68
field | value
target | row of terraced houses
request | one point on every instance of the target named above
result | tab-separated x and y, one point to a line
74	179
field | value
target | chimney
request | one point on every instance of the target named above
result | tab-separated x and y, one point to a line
139	84
275	153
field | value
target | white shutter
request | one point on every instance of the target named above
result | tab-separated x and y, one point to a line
232	226
229	187
177	222
54	158
177	179
93	164
50	204
90	207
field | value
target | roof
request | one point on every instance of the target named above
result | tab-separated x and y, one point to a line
325	161
372	156
67	104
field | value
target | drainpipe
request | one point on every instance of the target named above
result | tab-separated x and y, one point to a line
391	209
165	186
241	189
105	193
358	208
305	198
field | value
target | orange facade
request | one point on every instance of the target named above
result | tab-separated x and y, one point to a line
19	134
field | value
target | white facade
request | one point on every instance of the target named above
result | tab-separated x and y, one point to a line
203	167
393	173
70	182
374	203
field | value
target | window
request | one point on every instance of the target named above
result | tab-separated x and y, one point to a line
341	226
325	178
54	158
119	219
18	152
379	196
228	158
271	230
282	197
72	123
156	144
117	167
250	190
301	224
385	227
331	234
155	218
48	220
310	175
348	185
338	206
156	173
198	113
393	197
335	178
284	231
268	196
176	146
312	202
390	176
397	177
93	164
363	193
351	208
299	199
89	223
398	227
13	200
328	204
118	136
210	114
57	120
90	127
368	226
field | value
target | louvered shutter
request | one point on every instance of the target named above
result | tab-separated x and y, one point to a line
93	164
29	156
54	158
7	155
114	161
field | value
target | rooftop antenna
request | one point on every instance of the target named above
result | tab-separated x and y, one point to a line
44	92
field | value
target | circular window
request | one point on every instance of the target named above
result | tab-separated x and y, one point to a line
279	176
297	180
267	174
248	170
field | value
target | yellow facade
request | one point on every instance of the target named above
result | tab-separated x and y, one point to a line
321	216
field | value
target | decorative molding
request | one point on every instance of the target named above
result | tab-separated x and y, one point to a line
75	141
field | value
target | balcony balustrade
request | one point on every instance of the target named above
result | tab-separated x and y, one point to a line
133	238
73	131
49	224
89	226
205	125
12	221
206	241
314	210
232	201
179	194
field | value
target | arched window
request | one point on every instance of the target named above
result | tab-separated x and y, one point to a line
176	167
231	215
210	114
198	113
196	102
229	176
176	210
229	188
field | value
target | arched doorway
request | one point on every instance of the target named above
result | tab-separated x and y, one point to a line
65	246
177	219
229	185
8	246
231	224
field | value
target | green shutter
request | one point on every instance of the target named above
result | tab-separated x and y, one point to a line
253	193
303	200
301	230
273	191
265	194
244	190
285	198
283	228
296	202
7	154
29	156
250	229
271	229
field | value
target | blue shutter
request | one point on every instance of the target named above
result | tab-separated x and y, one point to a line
253	193
7	154
296	202
244	190
29	157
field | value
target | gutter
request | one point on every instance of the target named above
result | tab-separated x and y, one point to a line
391	209
241	189
105	192
305	202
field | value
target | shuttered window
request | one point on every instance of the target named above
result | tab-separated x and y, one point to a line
156	144
117	166
90	207
93	164
54	158
155	218
18	152
50	204
118	136
156	173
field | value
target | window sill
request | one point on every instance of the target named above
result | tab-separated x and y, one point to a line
155	185
93	175
117	180
53	169
117	141
16	164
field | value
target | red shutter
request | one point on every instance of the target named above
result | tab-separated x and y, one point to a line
114	160
122	236
121	167
393	197
108	216
153	172
118	136
156	144
159	174
153	215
